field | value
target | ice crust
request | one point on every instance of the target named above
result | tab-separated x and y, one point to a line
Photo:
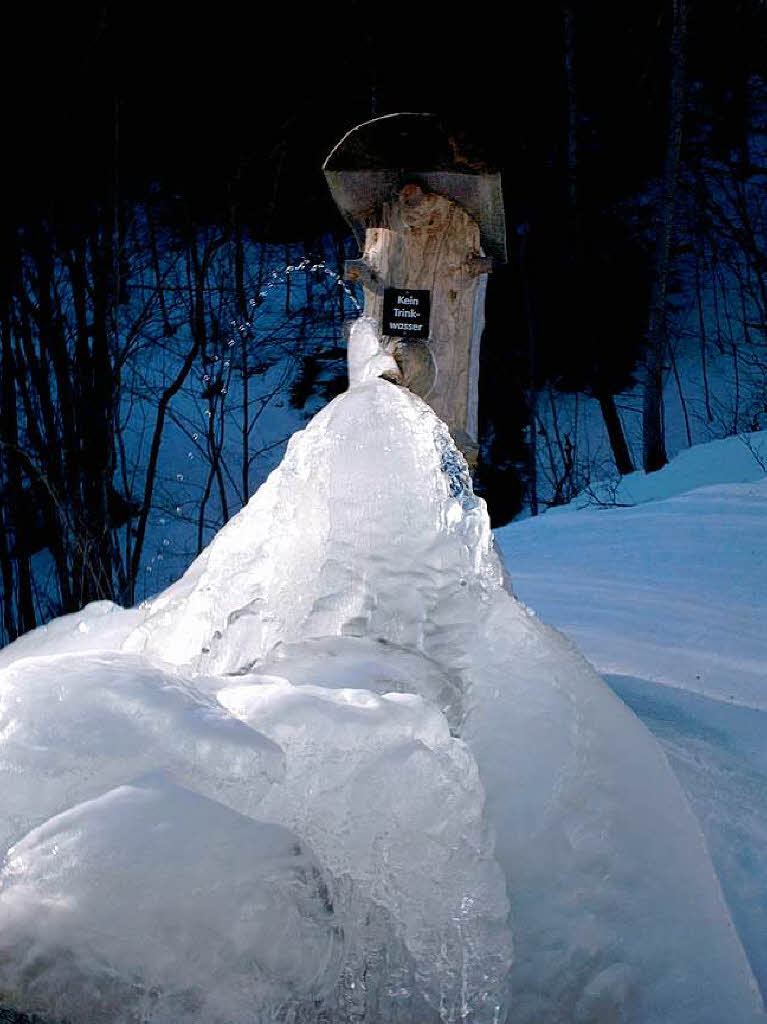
366	358
387	798
100	626
153	903
74	726
342	662
366	529
438	740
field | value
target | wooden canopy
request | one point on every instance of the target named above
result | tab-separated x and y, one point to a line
375	159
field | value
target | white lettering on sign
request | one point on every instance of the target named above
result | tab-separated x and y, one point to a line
400	326
406	312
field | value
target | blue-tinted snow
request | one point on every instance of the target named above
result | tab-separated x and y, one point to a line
668	600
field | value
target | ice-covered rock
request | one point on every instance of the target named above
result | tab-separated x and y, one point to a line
153	904
387	798
73	726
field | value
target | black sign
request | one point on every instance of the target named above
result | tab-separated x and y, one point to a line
406	313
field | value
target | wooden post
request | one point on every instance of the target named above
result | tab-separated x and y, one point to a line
429	236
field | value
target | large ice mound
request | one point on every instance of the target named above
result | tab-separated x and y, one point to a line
369	531
346	662
367	528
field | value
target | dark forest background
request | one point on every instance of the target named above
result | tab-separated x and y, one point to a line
157	157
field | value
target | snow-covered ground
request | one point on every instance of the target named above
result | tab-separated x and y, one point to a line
668	600
672	589
337	772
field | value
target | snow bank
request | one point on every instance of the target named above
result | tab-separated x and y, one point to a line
619	915
718	752
152	903
671	591
739	459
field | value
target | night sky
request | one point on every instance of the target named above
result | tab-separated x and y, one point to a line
260	95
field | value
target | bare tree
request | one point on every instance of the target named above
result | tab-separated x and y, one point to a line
653	441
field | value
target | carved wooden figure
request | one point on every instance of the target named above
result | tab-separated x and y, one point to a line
427	211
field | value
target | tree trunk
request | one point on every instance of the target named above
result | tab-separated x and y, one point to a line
682	401
25	618
615	433
703	340
197	324
532	373
50	445
653	441
243	316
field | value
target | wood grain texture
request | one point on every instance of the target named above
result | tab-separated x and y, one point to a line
423	240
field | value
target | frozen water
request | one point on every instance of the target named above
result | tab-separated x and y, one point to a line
369	529
73	726
365	529
387	798
342	662
153	903
365	356
618	912
100	626
355	612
